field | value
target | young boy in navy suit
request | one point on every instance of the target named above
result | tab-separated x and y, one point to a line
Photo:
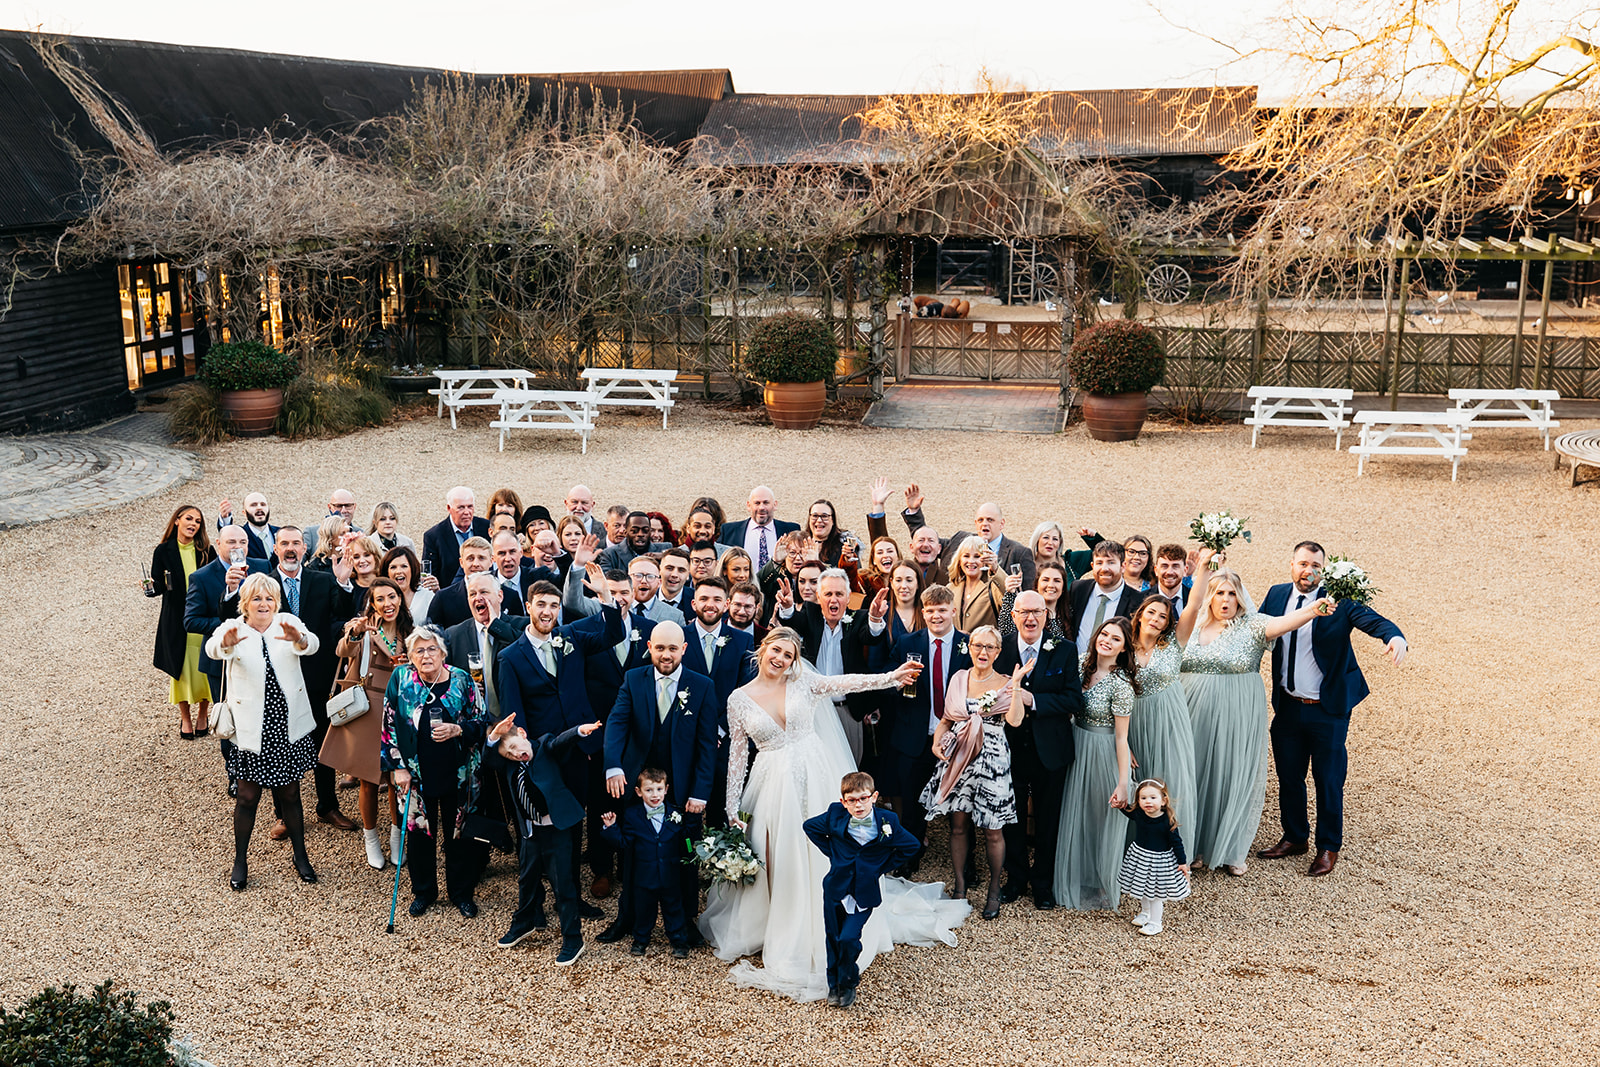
651	838
860	843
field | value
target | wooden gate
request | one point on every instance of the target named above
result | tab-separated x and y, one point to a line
983	351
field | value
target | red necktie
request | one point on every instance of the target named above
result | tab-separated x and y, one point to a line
938	676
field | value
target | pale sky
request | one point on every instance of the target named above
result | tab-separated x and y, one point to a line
821	47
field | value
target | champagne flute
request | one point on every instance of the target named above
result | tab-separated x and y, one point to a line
149	583
910	688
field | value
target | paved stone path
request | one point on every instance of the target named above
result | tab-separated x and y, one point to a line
934	405
58	476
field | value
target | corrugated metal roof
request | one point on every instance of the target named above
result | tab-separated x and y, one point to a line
186	96
755	129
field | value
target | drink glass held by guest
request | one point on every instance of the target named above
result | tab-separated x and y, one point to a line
271	717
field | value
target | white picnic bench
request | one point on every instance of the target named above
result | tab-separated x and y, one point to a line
1283	405
545	409
1509	408
474	388
626	387
1443	432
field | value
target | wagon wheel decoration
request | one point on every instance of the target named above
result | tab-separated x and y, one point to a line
1167	283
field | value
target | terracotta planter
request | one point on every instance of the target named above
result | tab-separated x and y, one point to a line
795	405
1115	418
252	412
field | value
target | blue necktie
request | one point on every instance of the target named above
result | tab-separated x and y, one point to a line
291	593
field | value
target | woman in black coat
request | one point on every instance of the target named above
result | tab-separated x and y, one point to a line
184	548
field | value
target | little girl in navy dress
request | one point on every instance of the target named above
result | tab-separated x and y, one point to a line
1154	869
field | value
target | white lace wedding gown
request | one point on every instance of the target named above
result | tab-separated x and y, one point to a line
796	776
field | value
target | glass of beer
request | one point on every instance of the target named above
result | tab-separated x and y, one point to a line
475	669
910	688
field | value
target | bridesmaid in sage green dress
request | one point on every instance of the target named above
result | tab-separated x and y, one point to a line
1228	708
1094	832
1159	730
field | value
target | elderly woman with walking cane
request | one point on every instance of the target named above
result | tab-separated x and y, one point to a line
434	724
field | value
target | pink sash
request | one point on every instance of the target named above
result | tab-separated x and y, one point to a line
965	739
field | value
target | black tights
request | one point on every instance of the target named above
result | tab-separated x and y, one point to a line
961	845
286	798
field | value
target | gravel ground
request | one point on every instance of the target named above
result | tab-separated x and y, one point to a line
1456	928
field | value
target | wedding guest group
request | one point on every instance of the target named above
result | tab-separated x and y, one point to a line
608	687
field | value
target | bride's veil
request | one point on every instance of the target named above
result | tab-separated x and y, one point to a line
828	728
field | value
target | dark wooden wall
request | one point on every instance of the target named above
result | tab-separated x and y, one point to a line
61	363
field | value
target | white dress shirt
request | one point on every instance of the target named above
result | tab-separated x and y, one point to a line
754	535
1307	675
1086	626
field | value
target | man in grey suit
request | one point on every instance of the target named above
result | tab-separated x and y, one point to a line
989	523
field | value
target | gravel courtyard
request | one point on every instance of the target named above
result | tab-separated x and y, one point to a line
1458	927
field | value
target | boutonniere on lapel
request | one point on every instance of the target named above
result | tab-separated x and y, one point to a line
888	831
674	817
1049	644
557	642
847	620
722	641
633	635
683	700
962	648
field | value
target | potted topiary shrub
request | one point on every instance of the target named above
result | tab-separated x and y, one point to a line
249	376
1115	364
794	355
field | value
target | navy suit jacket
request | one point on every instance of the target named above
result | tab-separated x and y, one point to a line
603	675
1343	684
733	665
908	716
654	861
631	730
545	773
202	609
855	868
546	705
1057	692
256	547
732	533
443	550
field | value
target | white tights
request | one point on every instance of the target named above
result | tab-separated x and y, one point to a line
1152	908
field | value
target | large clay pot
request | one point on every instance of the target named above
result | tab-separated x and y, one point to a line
795	405
252	412
1115	418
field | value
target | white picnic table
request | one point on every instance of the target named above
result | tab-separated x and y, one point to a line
1437	433
545	409
475	388
1509	408
1286	405
628	387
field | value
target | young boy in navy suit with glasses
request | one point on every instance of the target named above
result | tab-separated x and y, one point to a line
860	843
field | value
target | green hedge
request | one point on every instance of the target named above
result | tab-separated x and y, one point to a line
1117	356
62	1027
247	365
791	348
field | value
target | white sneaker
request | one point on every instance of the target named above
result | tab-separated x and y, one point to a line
375	857
1141	918
1150	928
396	849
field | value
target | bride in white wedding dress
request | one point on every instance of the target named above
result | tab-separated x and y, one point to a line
802	755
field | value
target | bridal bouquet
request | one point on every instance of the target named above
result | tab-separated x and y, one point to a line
723	855
1343	580
1217	530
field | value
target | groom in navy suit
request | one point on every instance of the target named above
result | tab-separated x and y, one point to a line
861	843
665	716
1316	682
722	653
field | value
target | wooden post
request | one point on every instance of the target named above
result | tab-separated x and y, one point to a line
1258	338
733	318
1522	310
1069	311
1400	334
1544	316
878	297
472	308
705	323
1388	324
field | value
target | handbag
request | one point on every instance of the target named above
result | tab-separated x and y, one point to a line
222	709
348	701
499	833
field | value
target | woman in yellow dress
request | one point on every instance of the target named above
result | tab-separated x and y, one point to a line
184	548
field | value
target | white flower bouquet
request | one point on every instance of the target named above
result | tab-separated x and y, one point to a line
1342	579
1217	530
724	855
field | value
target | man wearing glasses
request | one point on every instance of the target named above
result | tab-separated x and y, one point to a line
340	502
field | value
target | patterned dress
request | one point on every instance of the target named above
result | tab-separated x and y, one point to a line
984	788
1228	707
280	761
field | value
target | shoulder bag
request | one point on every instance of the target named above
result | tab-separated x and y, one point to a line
348	701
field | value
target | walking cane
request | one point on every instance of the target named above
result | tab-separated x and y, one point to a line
395	899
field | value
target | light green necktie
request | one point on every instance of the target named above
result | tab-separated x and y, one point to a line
708	642
547	656
663	696
1100	612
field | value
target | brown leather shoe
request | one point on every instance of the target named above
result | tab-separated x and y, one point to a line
1323	864
1284	848
337	820
600	888
278	831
